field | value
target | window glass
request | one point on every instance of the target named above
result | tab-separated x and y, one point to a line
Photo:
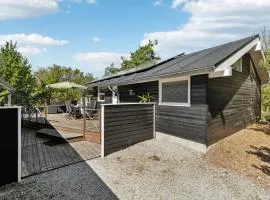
175	92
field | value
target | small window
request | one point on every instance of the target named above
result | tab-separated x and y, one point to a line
175	92
101	93
237	65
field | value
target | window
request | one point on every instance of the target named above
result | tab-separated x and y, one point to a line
175	92
237	65
101	93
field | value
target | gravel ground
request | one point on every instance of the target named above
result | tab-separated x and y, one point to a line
149	170
246	152
160	170
74	182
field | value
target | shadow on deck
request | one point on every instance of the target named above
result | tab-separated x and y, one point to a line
56	142
40	154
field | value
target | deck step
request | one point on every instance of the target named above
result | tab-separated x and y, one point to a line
62	135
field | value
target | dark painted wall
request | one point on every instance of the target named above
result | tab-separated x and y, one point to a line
108	96
199	89
185	122
9	145
125	125
138	89
234	102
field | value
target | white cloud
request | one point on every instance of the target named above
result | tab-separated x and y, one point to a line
211	22
32	50
11	9
100	60
31	44
158	2
31	39
95	39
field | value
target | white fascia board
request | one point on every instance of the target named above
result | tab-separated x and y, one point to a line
227	63
224	73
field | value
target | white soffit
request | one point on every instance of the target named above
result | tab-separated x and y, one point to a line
227	63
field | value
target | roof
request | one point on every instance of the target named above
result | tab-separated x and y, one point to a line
4	84
204	60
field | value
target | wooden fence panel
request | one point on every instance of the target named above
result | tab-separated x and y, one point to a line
123	125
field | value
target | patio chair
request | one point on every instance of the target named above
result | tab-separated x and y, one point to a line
70	111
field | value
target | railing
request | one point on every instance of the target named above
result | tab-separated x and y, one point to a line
32	116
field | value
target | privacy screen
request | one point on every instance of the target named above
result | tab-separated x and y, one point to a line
175	92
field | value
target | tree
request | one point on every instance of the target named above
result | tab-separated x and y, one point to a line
55	74
143	55
111	70
265	65
16	70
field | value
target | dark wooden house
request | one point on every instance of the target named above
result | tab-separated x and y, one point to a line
200	97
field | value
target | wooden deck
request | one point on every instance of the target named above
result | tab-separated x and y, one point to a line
41	154
61	123
60	120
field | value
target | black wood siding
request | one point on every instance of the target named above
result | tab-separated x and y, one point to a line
108	97
125	125
199	89
234	102
138	89
9	145
185	122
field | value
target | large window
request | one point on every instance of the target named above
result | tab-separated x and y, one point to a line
237	65
175	92
101	93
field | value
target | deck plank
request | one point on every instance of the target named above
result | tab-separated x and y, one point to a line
39	157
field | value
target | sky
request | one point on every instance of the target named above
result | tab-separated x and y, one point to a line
91	34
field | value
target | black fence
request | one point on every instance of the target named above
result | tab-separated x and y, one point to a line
10	145
123	125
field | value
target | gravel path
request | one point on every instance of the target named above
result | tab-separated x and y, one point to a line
160	170
149	170
74	182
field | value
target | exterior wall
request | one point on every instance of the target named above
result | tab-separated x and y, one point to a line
10	145
125	125
184	122
138	89
234	102
108	97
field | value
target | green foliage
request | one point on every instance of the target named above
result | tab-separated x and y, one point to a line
111	70
266	102
143	55
265	65
55	74
16	70
145	98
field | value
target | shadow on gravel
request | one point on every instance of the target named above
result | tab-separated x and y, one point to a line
54	170
263	153
78	181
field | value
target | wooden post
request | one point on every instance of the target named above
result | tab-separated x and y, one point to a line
84	119
46	113
45	109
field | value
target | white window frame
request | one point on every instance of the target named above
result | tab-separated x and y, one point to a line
167	80
241	65
100	100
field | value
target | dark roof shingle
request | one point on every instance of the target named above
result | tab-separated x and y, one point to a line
204	59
